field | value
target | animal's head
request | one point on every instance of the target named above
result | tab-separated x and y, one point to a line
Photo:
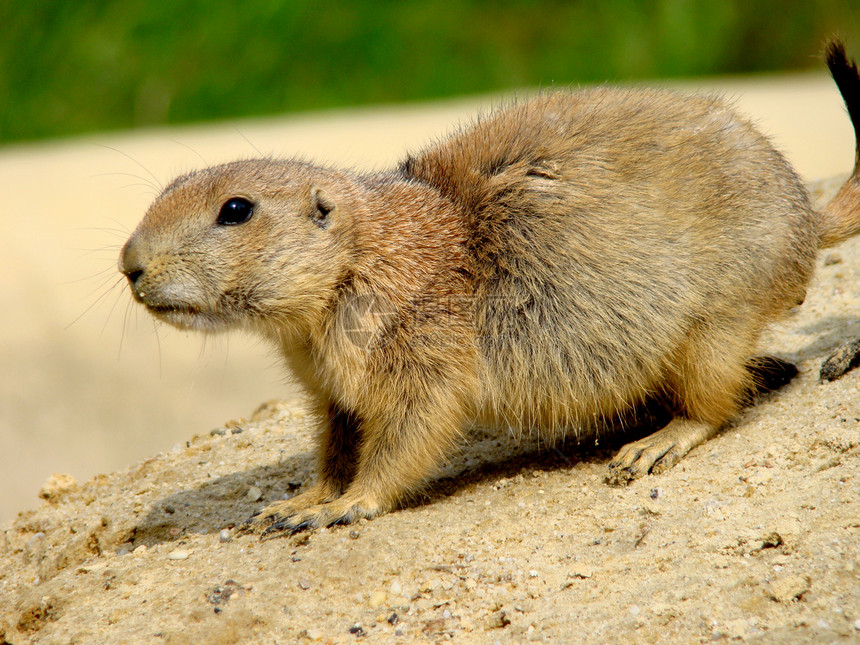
249	243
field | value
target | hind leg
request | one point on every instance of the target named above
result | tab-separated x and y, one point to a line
767	373
711	378
659	451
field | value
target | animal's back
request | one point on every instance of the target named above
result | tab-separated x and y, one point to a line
607	228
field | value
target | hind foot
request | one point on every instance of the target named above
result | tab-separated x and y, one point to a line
658	452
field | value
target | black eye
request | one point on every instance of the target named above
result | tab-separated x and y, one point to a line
236	210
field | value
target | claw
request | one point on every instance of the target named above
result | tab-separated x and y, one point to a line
253	524
247	526
285	527
276	528
301	526
619	476
343	520
250	520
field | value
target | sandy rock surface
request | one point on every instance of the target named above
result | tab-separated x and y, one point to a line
754	536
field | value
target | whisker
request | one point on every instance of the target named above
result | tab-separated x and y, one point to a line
129	305
187	147
159	187
158	342
151	190
106	280
99	229
122	227
249	142
112	248
110	314
109	267
95	302
144	181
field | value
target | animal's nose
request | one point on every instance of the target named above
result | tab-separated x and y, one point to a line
130	264
133	275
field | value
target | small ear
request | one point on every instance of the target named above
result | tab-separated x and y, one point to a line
321	207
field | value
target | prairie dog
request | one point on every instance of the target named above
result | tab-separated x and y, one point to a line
555	263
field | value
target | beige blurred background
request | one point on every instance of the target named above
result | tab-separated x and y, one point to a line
89	384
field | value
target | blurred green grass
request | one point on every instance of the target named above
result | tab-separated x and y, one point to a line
86	65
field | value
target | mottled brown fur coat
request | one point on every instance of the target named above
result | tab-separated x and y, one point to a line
556	263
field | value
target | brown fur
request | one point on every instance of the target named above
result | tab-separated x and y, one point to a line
554	264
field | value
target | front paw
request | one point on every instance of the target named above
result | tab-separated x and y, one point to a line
284	519
275	512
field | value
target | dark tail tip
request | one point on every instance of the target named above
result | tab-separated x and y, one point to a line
847	79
